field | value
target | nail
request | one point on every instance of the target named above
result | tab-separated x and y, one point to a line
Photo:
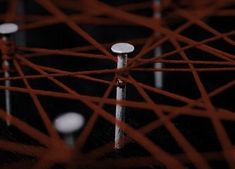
6	29
158	76
121	50
67	124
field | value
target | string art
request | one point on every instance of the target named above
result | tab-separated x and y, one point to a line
188	122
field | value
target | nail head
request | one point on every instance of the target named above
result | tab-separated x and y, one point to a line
8	28
69	122
122	48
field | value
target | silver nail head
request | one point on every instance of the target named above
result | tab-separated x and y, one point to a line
122	48
8	28
69	122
